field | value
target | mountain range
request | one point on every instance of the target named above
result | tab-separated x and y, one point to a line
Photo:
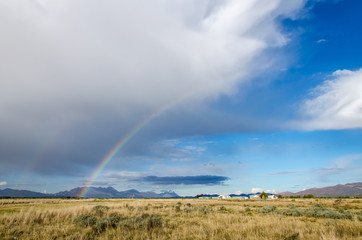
340	190
93	192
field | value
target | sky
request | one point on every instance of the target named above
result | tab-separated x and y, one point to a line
206	96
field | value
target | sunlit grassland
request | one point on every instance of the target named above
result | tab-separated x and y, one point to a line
180	219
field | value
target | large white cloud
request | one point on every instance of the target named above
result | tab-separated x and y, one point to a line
71	56
335	104
69	61
256	190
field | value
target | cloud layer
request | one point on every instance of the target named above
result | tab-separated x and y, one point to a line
77	75
335	104
347	165
185	180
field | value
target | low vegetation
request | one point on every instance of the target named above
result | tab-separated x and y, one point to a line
305	218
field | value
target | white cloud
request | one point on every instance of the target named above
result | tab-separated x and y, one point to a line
335	104
91	65
321	40
348	165
3	183
339	166
238	192
271	191
190	147
113	55
123	174
256	190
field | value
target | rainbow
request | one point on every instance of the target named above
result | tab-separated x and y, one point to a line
121	143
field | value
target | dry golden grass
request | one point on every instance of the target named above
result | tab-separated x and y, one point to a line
173	219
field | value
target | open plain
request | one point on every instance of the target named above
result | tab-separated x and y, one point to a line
180	219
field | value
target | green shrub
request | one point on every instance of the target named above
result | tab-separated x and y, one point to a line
85	220
222	209
178	208
323	212
359	216
114	219
297	196
202	209
294	236
308	196
187	210
317	211
267	209
100	226
126	223
100	210
292	211
158	206
150	221
341	210
145	221
144	208
130	208
247	209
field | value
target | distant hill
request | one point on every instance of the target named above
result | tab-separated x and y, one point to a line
349	189
93	192
287	193
7	192
169	194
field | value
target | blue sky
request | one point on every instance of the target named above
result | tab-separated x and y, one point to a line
243	95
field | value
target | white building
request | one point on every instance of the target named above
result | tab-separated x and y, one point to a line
272	196
224	197
238	197
255	196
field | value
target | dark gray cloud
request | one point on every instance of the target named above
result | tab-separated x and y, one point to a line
186	180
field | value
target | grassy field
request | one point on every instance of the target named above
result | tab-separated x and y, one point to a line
180	219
